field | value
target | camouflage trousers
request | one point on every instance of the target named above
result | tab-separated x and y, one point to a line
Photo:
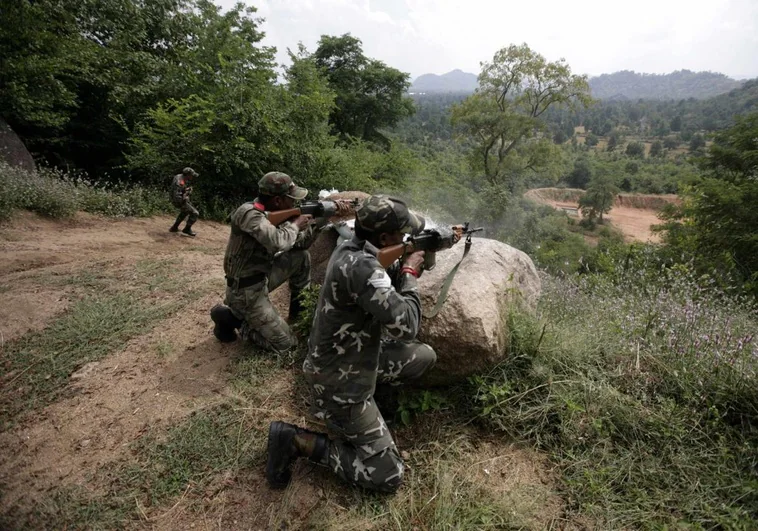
362	450
262	325
186	209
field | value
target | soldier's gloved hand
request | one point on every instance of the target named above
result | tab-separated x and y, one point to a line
415	261
302	221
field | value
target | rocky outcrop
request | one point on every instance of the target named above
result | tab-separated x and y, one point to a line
322	247
469	333
12	149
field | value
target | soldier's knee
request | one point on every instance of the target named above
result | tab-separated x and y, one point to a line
388	472
427	356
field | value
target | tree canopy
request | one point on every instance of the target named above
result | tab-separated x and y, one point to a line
369	94
503	118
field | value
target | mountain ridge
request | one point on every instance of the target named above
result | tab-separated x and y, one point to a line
624	84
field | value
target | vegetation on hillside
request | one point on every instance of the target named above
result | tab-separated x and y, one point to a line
682	84
637	377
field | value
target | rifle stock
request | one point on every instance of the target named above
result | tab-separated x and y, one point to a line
280	216
387	255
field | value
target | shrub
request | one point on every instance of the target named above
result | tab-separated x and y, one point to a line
55	194
643	385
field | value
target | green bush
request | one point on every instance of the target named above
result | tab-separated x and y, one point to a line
55	194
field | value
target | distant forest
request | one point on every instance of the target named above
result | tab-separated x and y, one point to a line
649	118
623	85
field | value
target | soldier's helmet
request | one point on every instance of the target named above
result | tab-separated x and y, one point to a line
189	172
276	183
382	213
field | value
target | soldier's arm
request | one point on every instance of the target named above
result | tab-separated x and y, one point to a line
399	310
274	239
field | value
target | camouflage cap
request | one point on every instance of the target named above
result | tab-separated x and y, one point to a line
381	213
189	171
277	183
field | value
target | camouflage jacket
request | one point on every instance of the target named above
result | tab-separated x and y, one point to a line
179	191
358	300
254	241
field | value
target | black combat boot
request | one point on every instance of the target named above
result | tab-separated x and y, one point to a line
296	306
179	219
287	442
188	231
225	323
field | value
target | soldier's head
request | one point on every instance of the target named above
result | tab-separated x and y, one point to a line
384	221
277	191
189	173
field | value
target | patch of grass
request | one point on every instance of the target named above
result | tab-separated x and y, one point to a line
189	459
56	194
644	390
441	490
39	365
164	348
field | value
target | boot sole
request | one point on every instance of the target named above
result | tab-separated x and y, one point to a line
188	235
275	482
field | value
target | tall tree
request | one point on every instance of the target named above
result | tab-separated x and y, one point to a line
598	199
369	94
504	117
716	227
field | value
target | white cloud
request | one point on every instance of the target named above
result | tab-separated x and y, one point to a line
594	36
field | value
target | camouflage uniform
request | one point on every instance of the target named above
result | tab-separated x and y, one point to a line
259	258
179	197
360	301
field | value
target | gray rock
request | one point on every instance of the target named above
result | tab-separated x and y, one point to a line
12	149
470	332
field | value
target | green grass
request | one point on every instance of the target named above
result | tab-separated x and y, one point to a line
644	392
39	365
112	310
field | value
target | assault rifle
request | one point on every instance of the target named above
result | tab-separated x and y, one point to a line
429	240
317	209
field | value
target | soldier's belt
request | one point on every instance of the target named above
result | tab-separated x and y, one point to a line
245	282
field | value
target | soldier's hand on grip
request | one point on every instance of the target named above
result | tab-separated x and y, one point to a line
303	221
415	261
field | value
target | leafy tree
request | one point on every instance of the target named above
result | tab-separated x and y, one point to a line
581	175
670	142
369	94
716	227
635	149
503	119
591	140
676	123
697	142
656	149
598	199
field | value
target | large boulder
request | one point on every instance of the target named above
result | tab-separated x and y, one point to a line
326	241
12	149
469	333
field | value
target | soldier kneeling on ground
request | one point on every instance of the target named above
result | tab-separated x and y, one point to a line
347	356
259	258
180	198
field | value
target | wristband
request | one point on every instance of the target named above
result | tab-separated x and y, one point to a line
410	271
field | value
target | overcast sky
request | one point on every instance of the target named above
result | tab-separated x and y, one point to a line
594	36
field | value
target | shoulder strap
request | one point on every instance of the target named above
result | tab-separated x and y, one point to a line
448	282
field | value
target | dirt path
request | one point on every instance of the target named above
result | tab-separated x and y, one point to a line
633	222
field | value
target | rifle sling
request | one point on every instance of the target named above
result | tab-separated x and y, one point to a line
448	282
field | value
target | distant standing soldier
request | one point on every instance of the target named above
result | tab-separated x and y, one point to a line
259	258
347	356
180	197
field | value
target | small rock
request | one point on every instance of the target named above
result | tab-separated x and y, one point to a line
85	443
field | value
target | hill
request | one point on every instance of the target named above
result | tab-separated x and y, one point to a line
454	81
682	84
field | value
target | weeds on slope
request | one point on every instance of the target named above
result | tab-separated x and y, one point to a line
55	194
644	388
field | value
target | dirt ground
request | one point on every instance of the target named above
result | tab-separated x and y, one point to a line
158	379
634	223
